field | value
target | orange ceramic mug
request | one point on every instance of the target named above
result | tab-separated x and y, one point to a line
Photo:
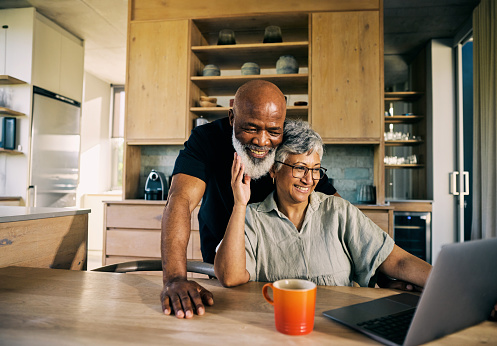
294	302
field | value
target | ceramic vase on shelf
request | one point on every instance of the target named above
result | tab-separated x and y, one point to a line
272	34
287	64
211	70
250	68
226	36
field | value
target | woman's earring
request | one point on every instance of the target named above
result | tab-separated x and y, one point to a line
273	180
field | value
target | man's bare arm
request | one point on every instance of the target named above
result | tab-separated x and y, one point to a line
178	293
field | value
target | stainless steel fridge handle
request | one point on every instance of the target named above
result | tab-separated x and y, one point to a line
466	183
32	196
453	183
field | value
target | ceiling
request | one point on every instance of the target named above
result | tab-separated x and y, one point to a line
408	25
102	24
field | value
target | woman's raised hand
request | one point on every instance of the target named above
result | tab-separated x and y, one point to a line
240	183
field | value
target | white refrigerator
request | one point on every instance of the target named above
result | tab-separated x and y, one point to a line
55	150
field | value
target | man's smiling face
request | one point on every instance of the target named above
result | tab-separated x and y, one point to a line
258	118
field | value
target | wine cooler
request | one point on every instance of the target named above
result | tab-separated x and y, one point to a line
412	232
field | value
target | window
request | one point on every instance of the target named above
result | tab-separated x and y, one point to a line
117	137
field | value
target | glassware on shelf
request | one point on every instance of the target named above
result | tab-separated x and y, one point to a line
395	160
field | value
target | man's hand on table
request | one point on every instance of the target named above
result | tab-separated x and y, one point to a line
384	281
184	297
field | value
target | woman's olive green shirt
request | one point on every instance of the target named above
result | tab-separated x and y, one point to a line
336	246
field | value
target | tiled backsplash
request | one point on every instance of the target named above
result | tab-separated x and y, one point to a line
348	165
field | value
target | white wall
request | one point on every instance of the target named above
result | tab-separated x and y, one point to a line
442	125
95	162
95	137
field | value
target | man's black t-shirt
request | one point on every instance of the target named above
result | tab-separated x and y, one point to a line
208	155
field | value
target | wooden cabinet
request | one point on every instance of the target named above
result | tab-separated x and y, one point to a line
346	82
133	228
157	83
249	47
381	216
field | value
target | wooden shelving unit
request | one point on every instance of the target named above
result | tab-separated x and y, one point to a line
410	107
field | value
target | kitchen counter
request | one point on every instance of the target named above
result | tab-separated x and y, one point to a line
44	237
12	214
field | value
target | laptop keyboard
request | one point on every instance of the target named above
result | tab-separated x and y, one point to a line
393	327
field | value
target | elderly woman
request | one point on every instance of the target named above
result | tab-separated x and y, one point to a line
299	233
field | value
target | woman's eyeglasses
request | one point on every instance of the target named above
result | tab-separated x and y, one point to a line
300	172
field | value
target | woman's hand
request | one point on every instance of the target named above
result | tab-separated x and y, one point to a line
240	183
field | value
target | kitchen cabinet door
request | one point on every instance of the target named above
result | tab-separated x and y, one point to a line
157	85
46	56
57	60
71	67
346	83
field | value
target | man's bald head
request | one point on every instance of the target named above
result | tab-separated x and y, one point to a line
259	96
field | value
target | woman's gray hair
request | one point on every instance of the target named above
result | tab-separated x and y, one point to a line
298	138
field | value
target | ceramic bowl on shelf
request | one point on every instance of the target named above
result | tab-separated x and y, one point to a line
207	104
250	68
211	70
287	64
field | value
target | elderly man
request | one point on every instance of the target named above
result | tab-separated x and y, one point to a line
202	170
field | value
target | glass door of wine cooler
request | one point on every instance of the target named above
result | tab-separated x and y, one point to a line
412	232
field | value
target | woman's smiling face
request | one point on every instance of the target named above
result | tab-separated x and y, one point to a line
296	190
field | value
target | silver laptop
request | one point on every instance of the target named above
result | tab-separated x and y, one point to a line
461	291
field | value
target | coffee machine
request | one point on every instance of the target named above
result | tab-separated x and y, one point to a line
156	186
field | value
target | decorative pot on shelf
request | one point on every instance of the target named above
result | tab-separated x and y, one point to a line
211	70
250	68
272	34
226	36
287	64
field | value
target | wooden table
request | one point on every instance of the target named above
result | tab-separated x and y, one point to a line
60	307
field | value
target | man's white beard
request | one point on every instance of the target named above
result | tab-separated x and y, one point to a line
255	168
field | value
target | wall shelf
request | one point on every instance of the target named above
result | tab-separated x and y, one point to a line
227	85
6	80
403	142
406	165
403	95
220	112
11	152
402	119
9	112
264	54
